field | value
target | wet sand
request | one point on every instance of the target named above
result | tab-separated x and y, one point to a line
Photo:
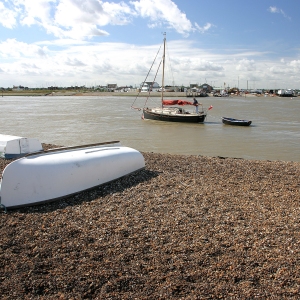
186	227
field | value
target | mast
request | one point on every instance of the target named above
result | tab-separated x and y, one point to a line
163	72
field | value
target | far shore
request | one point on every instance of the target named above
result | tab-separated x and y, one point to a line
113	94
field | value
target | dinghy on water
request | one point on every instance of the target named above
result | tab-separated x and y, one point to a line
237	122
57	173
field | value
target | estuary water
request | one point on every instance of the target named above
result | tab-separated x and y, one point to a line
76	120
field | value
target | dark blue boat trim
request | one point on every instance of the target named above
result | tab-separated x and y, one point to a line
12	156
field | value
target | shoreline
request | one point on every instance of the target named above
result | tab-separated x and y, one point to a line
115	94
186	227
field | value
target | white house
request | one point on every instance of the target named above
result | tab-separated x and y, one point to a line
146	86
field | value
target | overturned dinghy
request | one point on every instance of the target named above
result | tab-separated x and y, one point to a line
57	173
15	146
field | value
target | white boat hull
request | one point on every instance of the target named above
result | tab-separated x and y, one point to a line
48	176
16	146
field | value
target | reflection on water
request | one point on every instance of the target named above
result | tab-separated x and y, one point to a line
273	135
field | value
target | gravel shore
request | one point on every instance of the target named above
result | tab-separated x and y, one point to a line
186	227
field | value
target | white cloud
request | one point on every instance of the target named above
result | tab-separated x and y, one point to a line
288	68
78	19
29	66
67	62
14	49
62	42
8	17
74	62
74	19
163	13
92	63
295	64
34	12
203	29
274	9
246	65
204	65
73	57
119	13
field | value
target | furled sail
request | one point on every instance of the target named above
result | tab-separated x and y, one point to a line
176	102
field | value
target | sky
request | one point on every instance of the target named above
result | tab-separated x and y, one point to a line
250	44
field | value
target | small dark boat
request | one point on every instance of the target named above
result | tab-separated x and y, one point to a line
237	122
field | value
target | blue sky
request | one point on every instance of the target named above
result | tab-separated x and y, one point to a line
92	42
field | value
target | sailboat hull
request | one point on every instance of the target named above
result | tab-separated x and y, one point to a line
184	118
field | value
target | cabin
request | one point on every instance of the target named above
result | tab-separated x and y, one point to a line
15	146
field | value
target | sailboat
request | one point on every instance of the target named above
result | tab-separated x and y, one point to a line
172	110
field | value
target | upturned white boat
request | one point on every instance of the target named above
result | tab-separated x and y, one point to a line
57	173
15	146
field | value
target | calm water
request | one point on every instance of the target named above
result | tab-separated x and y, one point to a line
68	121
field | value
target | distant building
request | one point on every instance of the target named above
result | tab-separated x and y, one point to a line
76	87
123	89
19	88
206	87
112	87
146	86
152	84
194	86
149	86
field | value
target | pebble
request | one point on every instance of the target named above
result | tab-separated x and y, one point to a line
185	227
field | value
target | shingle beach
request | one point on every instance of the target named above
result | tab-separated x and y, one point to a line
185	227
